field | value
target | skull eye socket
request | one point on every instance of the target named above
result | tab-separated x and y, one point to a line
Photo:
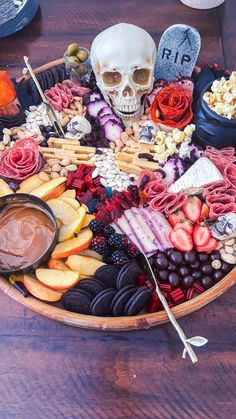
141	76
112	78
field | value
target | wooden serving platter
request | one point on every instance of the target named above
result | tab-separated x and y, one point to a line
142	321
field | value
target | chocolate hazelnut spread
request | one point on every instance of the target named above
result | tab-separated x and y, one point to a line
25	235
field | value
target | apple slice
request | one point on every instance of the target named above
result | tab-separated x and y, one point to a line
63	211
4	188
88	218
71	201
83	264
29	184
90	253
39	290
49	190
66	232
72	246
57	264
56	279
71	193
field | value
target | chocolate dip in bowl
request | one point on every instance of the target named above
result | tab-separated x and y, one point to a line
28	233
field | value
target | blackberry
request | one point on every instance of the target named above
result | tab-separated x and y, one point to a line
108	231
96	226
99	245
134	191
132	251
116	240
106	256
119	258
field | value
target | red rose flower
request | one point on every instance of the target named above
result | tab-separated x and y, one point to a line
172	106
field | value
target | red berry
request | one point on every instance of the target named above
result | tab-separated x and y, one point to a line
209	247
176	217
186	225
201	235
181	240
193	209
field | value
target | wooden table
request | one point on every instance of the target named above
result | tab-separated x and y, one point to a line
49	370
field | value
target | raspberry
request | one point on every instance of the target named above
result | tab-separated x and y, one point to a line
99	244
108	231
96	226
132	250
116	240
119	258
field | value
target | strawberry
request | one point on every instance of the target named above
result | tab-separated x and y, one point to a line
176	217
181	239
186	225
193	209
209	247
201	235
205	212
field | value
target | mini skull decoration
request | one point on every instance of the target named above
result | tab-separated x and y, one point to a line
147	132
78	127
225	227
123	58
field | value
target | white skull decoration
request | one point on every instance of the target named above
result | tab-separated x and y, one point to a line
225	227
78	127
123	58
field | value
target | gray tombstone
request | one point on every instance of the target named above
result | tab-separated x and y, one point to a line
177	52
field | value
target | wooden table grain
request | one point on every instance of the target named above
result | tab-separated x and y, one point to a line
49	370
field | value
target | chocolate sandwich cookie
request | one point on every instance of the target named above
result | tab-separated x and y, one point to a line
91	285
107	274
138	301
128	275
120	300
101	304
78	301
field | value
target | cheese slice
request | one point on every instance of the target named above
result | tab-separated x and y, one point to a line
203	171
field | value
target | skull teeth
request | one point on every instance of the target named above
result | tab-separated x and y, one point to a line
128	108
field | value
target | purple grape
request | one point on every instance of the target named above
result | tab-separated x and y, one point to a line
196	274
203	257
215	256
172	267
176	257
162	262
206	269
174	280
225	267
217	275
163	276
183	271
207	282
187	281
195	265
190	257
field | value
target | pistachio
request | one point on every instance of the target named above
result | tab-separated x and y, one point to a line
6	131
56	167
2	147
51	162
229	242
65	162
229	250
64	172
228	258
54	175
71	167
44	176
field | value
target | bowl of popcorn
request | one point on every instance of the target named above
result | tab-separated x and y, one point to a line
216	113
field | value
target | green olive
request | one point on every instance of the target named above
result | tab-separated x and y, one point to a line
81	70
82	55
73	60
72	49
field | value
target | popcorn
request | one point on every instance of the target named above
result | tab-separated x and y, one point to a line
222	98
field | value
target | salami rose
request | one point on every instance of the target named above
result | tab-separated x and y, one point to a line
172	106
20	161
